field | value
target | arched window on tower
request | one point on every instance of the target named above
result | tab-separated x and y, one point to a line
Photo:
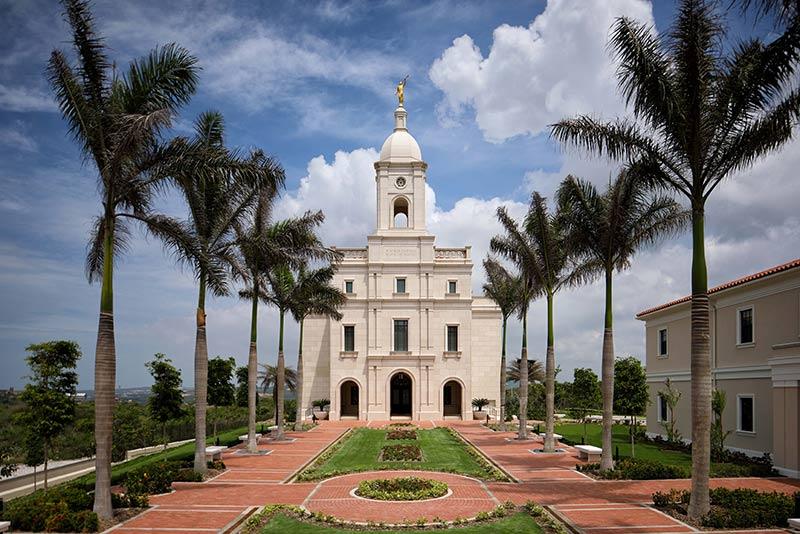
400	213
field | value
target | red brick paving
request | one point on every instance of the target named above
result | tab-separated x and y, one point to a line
588	505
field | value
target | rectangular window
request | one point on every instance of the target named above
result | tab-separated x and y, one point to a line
401	285
747	414
349	338
401	335
348	286
745	326
662	342
663	409
452	338
451	286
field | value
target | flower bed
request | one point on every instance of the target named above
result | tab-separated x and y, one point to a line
401	434
401	489
733	509
401	453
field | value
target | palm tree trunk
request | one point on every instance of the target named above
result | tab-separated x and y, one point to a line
523	380
607	458
280	381
298	388
503	379
550	382
200	381
699	504
252	372
105	370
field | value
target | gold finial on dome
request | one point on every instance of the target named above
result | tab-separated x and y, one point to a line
400	91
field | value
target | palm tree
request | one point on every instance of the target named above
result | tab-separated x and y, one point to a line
608	229
312	294
701	112
535	371
117	121
269	379
517	247
547	260
218	199
262	244
503	288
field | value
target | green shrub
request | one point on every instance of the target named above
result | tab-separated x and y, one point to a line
401	489
401	434
32	512
158	477
641	469
735	509
401	453
83	521
127	500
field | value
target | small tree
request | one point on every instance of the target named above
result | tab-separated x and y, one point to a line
585	395
630	392
166	399
671	396
241	387
49	398
221	391
718	434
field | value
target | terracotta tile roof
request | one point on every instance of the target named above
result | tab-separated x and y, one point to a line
727	285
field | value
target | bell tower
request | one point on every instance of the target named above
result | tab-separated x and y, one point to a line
400	182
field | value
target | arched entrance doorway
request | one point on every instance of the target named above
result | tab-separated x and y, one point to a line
451	399
348	400
400	395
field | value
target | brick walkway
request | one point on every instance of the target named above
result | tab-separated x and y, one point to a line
587	505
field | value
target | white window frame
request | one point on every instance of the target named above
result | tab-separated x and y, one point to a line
405	283
739	413
452	281
739	326
458	338
344	348
353	285
658	410
408	332
658	342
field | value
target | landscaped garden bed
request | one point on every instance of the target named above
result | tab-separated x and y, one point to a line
400	453
732	509
360	450
401	489
401	434
505	519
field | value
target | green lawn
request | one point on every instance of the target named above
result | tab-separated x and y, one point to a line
621	439
441	451
517	523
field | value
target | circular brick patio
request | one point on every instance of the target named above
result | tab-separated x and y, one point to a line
333	497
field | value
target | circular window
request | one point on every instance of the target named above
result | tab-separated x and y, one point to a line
400	182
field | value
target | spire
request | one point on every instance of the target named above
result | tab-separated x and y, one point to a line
400	118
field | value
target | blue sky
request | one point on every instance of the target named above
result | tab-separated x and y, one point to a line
313	84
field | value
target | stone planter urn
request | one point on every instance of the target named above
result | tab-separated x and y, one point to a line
479	415
321	415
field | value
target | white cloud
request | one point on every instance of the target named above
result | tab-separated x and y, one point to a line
25	99
533	76
16	139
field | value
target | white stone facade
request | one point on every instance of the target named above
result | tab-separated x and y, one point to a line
413	343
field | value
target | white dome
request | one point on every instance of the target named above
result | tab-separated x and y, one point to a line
400	146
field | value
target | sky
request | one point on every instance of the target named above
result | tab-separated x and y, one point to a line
312	83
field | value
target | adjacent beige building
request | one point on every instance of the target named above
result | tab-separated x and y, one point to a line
755	359
414	343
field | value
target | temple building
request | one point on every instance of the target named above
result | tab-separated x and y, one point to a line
414	343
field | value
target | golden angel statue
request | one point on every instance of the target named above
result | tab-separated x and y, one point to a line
400	91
